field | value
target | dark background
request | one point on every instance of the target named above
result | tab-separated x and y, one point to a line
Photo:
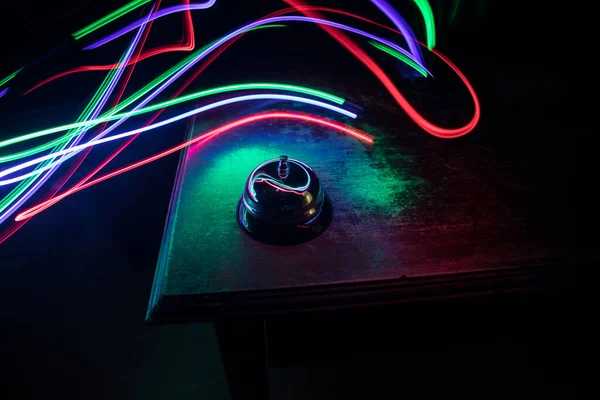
488	29
74	282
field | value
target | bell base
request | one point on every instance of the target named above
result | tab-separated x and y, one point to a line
282	234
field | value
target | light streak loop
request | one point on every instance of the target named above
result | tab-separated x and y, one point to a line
174	73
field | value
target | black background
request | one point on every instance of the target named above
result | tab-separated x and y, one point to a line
74	282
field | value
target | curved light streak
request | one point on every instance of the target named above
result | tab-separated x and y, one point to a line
182	46
319	21
196	57
298	7
188	46
10	77
13	228
26	189
222	41
242	30
402	26
277	184
109	18
164	49
158	106
462	77
203	139
156	15
71	151
427	126
187	43
185	64
399	56
52	191
429	20
171	78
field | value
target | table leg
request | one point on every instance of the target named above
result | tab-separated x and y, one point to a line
243	350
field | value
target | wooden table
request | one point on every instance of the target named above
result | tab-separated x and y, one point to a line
416	219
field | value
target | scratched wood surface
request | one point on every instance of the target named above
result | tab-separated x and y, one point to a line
409	206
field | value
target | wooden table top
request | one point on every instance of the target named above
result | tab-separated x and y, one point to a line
413	214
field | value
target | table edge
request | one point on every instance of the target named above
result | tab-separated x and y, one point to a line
555	274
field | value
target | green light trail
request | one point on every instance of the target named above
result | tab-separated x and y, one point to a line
24	185
427	12
11	76
178	100
399	56
109	18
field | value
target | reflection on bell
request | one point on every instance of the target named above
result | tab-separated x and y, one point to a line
283	203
